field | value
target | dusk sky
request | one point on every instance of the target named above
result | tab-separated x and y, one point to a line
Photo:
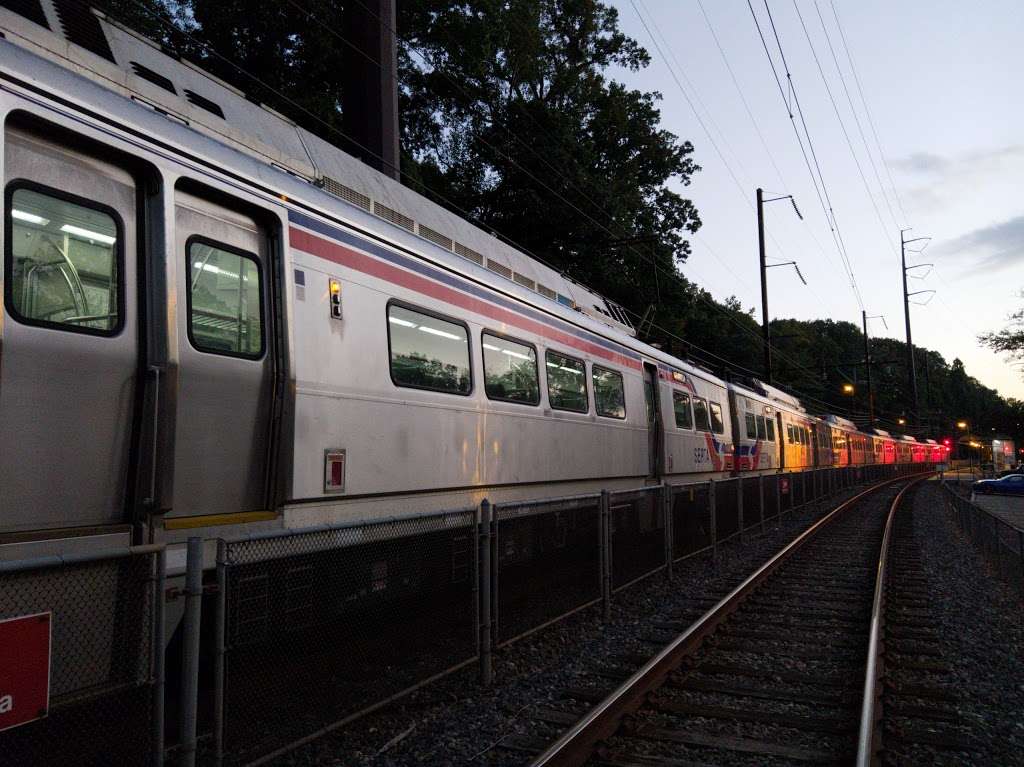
941	82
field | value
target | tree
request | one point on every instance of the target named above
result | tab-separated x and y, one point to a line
508	115
1009	340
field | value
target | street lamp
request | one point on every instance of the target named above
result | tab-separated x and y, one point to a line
901	421
961	424
847	388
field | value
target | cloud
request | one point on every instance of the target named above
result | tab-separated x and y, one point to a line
922	162
991	247
937	182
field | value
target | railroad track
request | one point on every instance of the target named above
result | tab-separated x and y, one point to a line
785	669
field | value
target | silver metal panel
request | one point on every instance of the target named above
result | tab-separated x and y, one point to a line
66	398
223	403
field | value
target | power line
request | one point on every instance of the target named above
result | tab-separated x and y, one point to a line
839	118
856	118
829	218
814	155
867	111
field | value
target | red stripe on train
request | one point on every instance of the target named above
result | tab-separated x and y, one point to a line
360	262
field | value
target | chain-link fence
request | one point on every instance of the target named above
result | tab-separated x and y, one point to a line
317	627
637	534
692	528
753	511
320	625
106	649
547	561
1000	542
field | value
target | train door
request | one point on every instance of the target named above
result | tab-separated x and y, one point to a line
225	362
654	431
69	335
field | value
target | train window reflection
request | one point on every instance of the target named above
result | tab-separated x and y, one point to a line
609	393
717	422
428	352
567	382
225	300
62	261
700	415
681	406
510	370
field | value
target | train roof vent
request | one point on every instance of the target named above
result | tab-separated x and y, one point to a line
523	280
29	9
156	78
204	103
547	292
434	236
469	253
499	268
347	193
392	215
82	27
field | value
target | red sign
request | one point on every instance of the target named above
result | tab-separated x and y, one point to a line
783	485
24	669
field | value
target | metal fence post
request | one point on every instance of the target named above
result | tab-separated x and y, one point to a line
190	645
714	520
486	530
666	511
220	633
760	495
159	585
606	556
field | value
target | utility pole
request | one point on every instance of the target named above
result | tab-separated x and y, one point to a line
911	365
867	363
766	332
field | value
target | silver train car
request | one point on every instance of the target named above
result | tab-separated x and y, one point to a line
215	322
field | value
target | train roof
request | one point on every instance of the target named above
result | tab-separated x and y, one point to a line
105	51
882	433
840	422
155	94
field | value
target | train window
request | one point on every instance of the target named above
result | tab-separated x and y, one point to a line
428	352
510	370
717	423
681	406
761	428
751	426
63	260
770	424
700	415
225	301
609	393
789	433
567	382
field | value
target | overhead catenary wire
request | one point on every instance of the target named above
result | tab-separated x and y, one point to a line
867	111
842	125
818	179
856	118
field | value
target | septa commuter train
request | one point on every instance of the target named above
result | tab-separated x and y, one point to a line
215	323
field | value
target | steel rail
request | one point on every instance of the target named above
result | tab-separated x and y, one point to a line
867	739
576	745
